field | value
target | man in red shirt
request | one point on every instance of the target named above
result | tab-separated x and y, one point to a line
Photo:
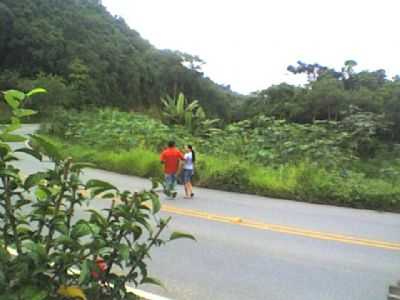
171	158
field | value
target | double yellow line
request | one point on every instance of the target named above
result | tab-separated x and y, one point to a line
281	228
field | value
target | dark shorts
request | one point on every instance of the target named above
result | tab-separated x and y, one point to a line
187	176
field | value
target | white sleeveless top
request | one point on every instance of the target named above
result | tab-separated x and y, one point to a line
188	165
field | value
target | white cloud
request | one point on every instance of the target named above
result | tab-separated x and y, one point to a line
249	44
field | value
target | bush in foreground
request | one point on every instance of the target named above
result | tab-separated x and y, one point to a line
46	250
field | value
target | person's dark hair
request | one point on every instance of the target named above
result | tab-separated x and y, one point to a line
193	153
171	144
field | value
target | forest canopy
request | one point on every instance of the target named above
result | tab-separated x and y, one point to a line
85	56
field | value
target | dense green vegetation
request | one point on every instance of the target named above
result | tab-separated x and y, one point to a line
85	56
333	95
319	163
333	140
46	252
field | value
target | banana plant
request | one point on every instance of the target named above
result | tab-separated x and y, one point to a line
180	111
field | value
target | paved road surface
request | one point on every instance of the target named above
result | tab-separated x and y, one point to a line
234	261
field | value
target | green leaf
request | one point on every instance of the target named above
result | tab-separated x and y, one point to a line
84	228
8	173
124	251
4	149
13	98
24	230
66	241
86	266
12	138
36	91
99	184
97	191
41	194
98	218
37	252
47	147
61	228
15	124
151	280
20	113
156	203
31	152
181	235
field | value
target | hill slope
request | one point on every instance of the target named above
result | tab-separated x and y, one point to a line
104	62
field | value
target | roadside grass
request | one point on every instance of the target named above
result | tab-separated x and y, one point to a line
304	181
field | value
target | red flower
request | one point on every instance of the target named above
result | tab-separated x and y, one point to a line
101	265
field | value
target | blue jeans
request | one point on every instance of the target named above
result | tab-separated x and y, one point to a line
170	181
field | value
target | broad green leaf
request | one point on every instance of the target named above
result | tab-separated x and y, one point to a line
65	240
83	228
85	272
97	217
4	149
47	147
97	191
181	235
61	228
9	158
9	173
24	230
123	251
41	194
36	91
13	98
137	232
12	138
18	95
37	252
31	152
99	184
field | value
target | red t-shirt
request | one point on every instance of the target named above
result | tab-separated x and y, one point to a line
171	157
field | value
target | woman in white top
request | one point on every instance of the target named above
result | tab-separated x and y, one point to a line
188	171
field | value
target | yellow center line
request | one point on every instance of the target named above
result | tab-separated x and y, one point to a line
282	228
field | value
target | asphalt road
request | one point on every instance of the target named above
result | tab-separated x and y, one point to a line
291	254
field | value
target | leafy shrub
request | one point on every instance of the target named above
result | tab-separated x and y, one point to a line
39	223
219	173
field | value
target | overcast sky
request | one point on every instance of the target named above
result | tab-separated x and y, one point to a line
249	43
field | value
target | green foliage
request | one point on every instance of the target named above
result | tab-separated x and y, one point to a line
93	58
191	115
332	95
43	243
322	162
